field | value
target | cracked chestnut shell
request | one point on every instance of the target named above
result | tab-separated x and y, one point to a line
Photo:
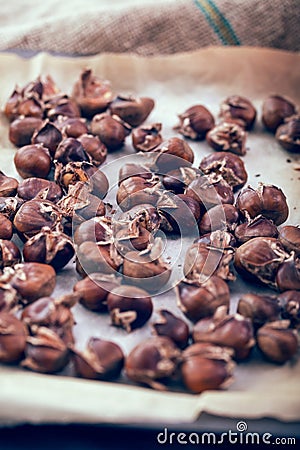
145	215
277	342
288	274
97	258
60	105
33	161
218	239
96	229
49	247
71	126
290	301
259	259
172	154
48	135
9	206
220	217
101	360
172	327
238	109
195	122
9	254
289	236
202	261
22	129
147	137
206	366
153	362
35	214
111	130
182	216
229	166
12	338
9	298
70	150
23	103
258	227
95	149
45	351
92	94
210	191
8	185
275	110
94	289
31	280
136	190
197	301
32	187
228	137
178	179
132	110
267	200
129	170
288	134
129	307
227	330
259	308
6	227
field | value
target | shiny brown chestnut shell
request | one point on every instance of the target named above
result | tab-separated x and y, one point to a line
129	307
12	338
209	191
290	302
288	134
259	308
275	110
31	187
111	130
288	275
195	122
22	129
101	360
266	200
197	300
238	109
70	150
172	154
23	105
96	229
182	216
228	137
33	161
218	238
172	327
6	227
71	126
277	342
220	217
153	362
178	179
9	298
60	105
147	137
206	366
129	170
9	254
145	215
48	135
289	236
229	166
132	110
8	185
258	227
97	258
95	149
94	289
136	190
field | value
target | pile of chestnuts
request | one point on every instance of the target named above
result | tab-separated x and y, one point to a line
58	212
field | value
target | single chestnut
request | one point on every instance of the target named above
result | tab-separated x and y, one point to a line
95	149
8	185
289	236
132	110
71	126
9	254
92	94
111	130
260	226
97	258
288	275
129	170
94	289
228	137
206	366
197	301
60	105
9	298
267	200
22	103
210	191
9	206
32	187
48	135
275	110
227	330
145	215
33	161
259	308
70	150
97	229
220	217
227	165
277	342
172	154
195	122
129	307
146	137
6	227
12	338
101	360
136	191
238	109
172	327
288	134
153	362
290	302
178	179
22	129
218	239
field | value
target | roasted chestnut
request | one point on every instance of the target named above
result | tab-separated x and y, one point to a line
23	103
197	301
48	135
96	229
266	200
227	330
178	179
60	105
9	298
6	227
101	360
145	215
172	327
129	170
289	236
12	338
240	110
8	185
95	149
32	187
94	289
288	134
218	238
97	258
290	302
258	227
210	191
136	190
228	137
180	215
288	275
147	137
220	217
71	126
33	161
259	308
132	110
129	307
277	342
173	154
229	166
195	122
111	130
275	110
70	150
22	129
9	254
206	366
153	362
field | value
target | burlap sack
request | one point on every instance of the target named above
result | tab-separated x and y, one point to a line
80	27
